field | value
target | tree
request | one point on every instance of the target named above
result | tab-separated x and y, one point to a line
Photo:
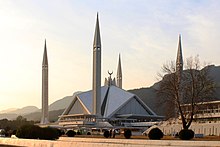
36	132
127	133
21	119
155	134
186	92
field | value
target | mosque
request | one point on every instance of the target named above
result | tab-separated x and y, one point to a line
112	106
108	105
103	106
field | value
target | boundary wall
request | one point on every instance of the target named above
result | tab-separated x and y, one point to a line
101	142
207	129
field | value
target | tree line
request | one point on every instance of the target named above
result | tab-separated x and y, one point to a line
10	126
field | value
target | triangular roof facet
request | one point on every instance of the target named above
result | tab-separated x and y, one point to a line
113	101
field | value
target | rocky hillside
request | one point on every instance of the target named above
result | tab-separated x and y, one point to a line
36	116
148	95
62	103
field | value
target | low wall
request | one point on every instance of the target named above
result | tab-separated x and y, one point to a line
199	128
96	142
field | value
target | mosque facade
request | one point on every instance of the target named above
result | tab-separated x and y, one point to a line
108	105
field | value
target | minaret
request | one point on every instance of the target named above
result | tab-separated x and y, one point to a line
119	73
45	113
96	84
179	59
179	71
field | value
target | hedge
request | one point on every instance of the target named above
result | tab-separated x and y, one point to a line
70	133
186	134
127	134
155	134
106	134
36	132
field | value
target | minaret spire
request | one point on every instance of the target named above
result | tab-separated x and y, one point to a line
97	38
179	59
179	69
96	84
119	73
45	60
45	113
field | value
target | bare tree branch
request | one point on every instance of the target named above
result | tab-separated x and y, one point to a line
187	93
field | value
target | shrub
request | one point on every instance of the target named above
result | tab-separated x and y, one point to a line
127	134
60	132
78	132
155	134
186	134
70	133
49	133
106	134
29	132
88	133
36	132
9	133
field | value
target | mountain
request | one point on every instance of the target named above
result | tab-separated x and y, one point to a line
21	111
13	113
25	110
215	74
55	109
36	116
9	116
33	113
149	96
62	103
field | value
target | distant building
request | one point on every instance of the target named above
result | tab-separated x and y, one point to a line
206	121
208	112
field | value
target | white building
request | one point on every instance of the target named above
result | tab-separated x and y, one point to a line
108	105
118	107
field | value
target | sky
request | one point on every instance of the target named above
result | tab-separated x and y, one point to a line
144	32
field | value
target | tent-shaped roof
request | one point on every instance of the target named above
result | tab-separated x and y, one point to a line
114	102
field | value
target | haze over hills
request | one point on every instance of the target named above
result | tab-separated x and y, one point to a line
36	116
34	113
15	112
8	110
21	111
148	95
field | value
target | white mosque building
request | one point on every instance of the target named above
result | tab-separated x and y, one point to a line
112	106
107	105
117	107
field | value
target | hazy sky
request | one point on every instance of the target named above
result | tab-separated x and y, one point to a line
145	32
